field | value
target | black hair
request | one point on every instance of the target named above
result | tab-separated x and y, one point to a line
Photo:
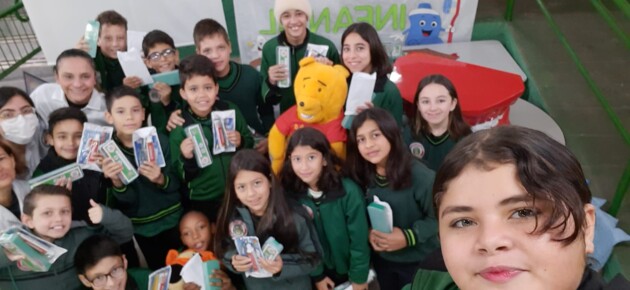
30	200
330	178
277	221
63	114
378	55
398	164
118	93
73	52
196	65
7	93
547	170
155	37
94	249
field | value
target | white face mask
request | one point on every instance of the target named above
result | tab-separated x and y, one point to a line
20	130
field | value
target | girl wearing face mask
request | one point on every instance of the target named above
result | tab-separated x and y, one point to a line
20	126
75	86
437	122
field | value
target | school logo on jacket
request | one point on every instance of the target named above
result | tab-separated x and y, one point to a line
417	149
237	229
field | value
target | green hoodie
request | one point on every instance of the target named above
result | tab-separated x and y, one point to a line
413	213
287	96
345	248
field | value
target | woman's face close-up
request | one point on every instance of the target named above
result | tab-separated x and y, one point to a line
487	223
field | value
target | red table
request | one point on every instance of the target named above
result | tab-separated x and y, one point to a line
485	94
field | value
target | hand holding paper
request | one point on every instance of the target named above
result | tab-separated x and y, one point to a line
132	65
360	91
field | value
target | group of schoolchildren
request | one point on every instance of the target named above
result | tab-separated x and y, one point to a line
315	206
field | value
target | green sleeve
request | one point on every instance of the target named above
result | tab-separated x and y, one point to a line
333	54
357	224
265	110
426	228
393	102
268	59
140	276
431	280
117	225
170	173
175	139
247	140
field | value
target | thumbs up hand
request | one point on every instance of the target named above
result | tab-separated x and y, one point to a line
95	212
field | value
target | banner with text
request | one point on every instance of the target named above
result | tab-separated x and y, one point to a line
398	23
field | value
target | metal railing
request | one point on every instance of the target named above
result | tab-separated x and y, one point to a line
624	184
17	40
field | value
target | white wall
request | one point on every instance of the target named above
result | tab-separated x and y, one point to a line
59	24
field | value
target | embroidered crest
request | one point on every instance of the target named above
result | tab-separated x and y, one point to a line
417	149
238	229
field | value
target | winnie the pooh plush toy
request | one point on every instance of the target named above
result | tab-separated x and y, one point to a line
320	93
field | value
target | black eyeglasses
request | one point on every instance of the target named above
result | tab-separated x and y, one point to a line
157	55
101	280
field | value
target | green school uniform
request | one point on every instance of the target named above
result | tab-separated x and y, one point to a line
413	213
242	86
152	209
206	183
431	149
287	96
342	228
110	71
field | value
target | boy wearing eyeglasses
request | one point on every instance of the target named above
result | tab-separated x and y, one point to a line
161	56
101	264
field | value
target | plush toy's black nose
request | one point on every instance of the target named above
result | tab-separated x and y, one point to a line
301	104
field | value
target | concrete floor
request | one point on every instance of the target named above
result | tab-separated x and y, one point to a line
589	132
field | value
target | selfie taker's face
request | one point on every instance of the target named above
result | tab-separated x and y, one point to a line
486	224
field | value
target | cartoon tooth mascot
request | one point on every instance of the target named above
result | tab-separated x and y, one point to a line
425	25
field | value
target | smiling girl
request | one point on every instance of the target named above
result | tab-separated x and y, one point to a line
362	51
337	205
254	205
514	213
437	122
378	161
